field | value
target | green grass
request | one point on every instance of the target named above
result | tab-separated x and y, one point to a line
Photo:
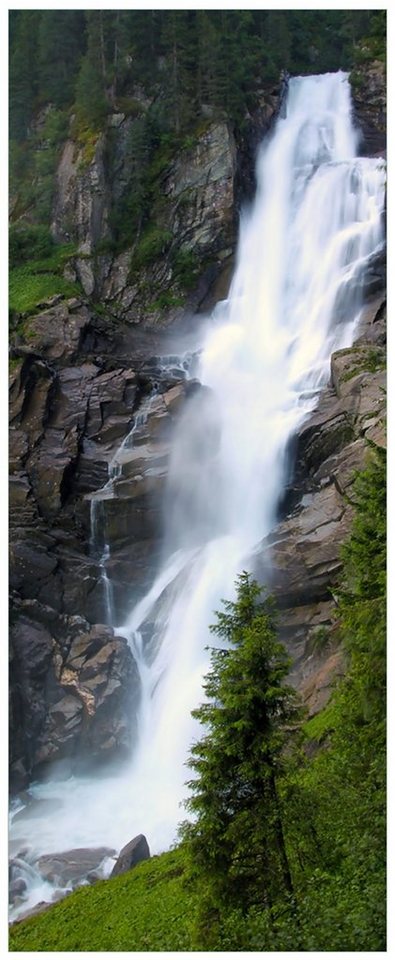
154	243
38	280
370	361
27	290
319	727
149	908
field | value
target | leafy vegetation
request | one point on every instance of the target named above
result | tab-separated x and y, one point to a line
370	360
330	800
166	300
236	841
154	242
33	165
37	280
185	266
29	242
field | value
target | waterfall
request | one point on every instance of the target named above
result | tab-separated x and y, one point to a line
296	297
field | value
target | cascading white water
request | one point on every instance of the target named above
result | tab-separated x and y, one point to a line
295	297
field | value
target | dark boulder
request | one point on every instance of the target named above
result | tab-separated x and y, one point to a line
132	854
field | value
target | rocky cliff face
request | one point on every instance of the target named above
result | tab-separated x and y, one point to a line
70	409
370	103
302	557
80	381
193	215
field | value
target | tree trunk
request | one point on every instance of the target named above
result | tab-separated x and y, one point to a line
286	870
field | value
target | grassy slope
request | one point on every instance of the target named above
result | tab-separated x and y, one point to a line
32	282
149	908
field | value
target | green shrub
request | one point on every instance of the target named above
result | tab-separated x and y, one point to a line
370	360
166	300
154	243
56	127
185	265
29	242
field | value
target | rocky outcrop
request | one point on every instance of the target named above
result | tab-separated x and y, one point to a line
64	871
73	414
74	692
301	559
70	867
199	190
370	103
132	854
82	197
249	139
194	218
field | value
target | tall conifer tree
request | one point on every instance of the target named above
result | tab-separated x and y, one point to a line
237	841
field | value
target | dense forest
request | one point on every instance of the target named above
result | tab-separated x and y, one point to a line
188	59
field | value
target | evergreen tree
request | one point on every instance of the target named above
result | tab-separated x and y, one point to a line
363	597
236	842
277	42
208	53
61	42
239	59
179	40
91	101
23	70
131	208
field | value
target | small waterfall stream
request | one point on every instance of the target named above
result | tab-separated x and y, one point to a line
296	297
99	545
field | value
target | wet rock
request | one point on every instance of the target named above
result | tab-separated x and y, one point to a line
132	854
369	99
82	204
40	907
70	867
200	188
301	559
31	567
18	847
16	889
57	333
342	466
324	434
249	139
18	448
304	550
93	720
75	693
130	568
372	327
36	809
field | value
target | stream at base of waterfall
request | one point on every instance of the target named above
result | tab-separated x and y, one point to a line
295	297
